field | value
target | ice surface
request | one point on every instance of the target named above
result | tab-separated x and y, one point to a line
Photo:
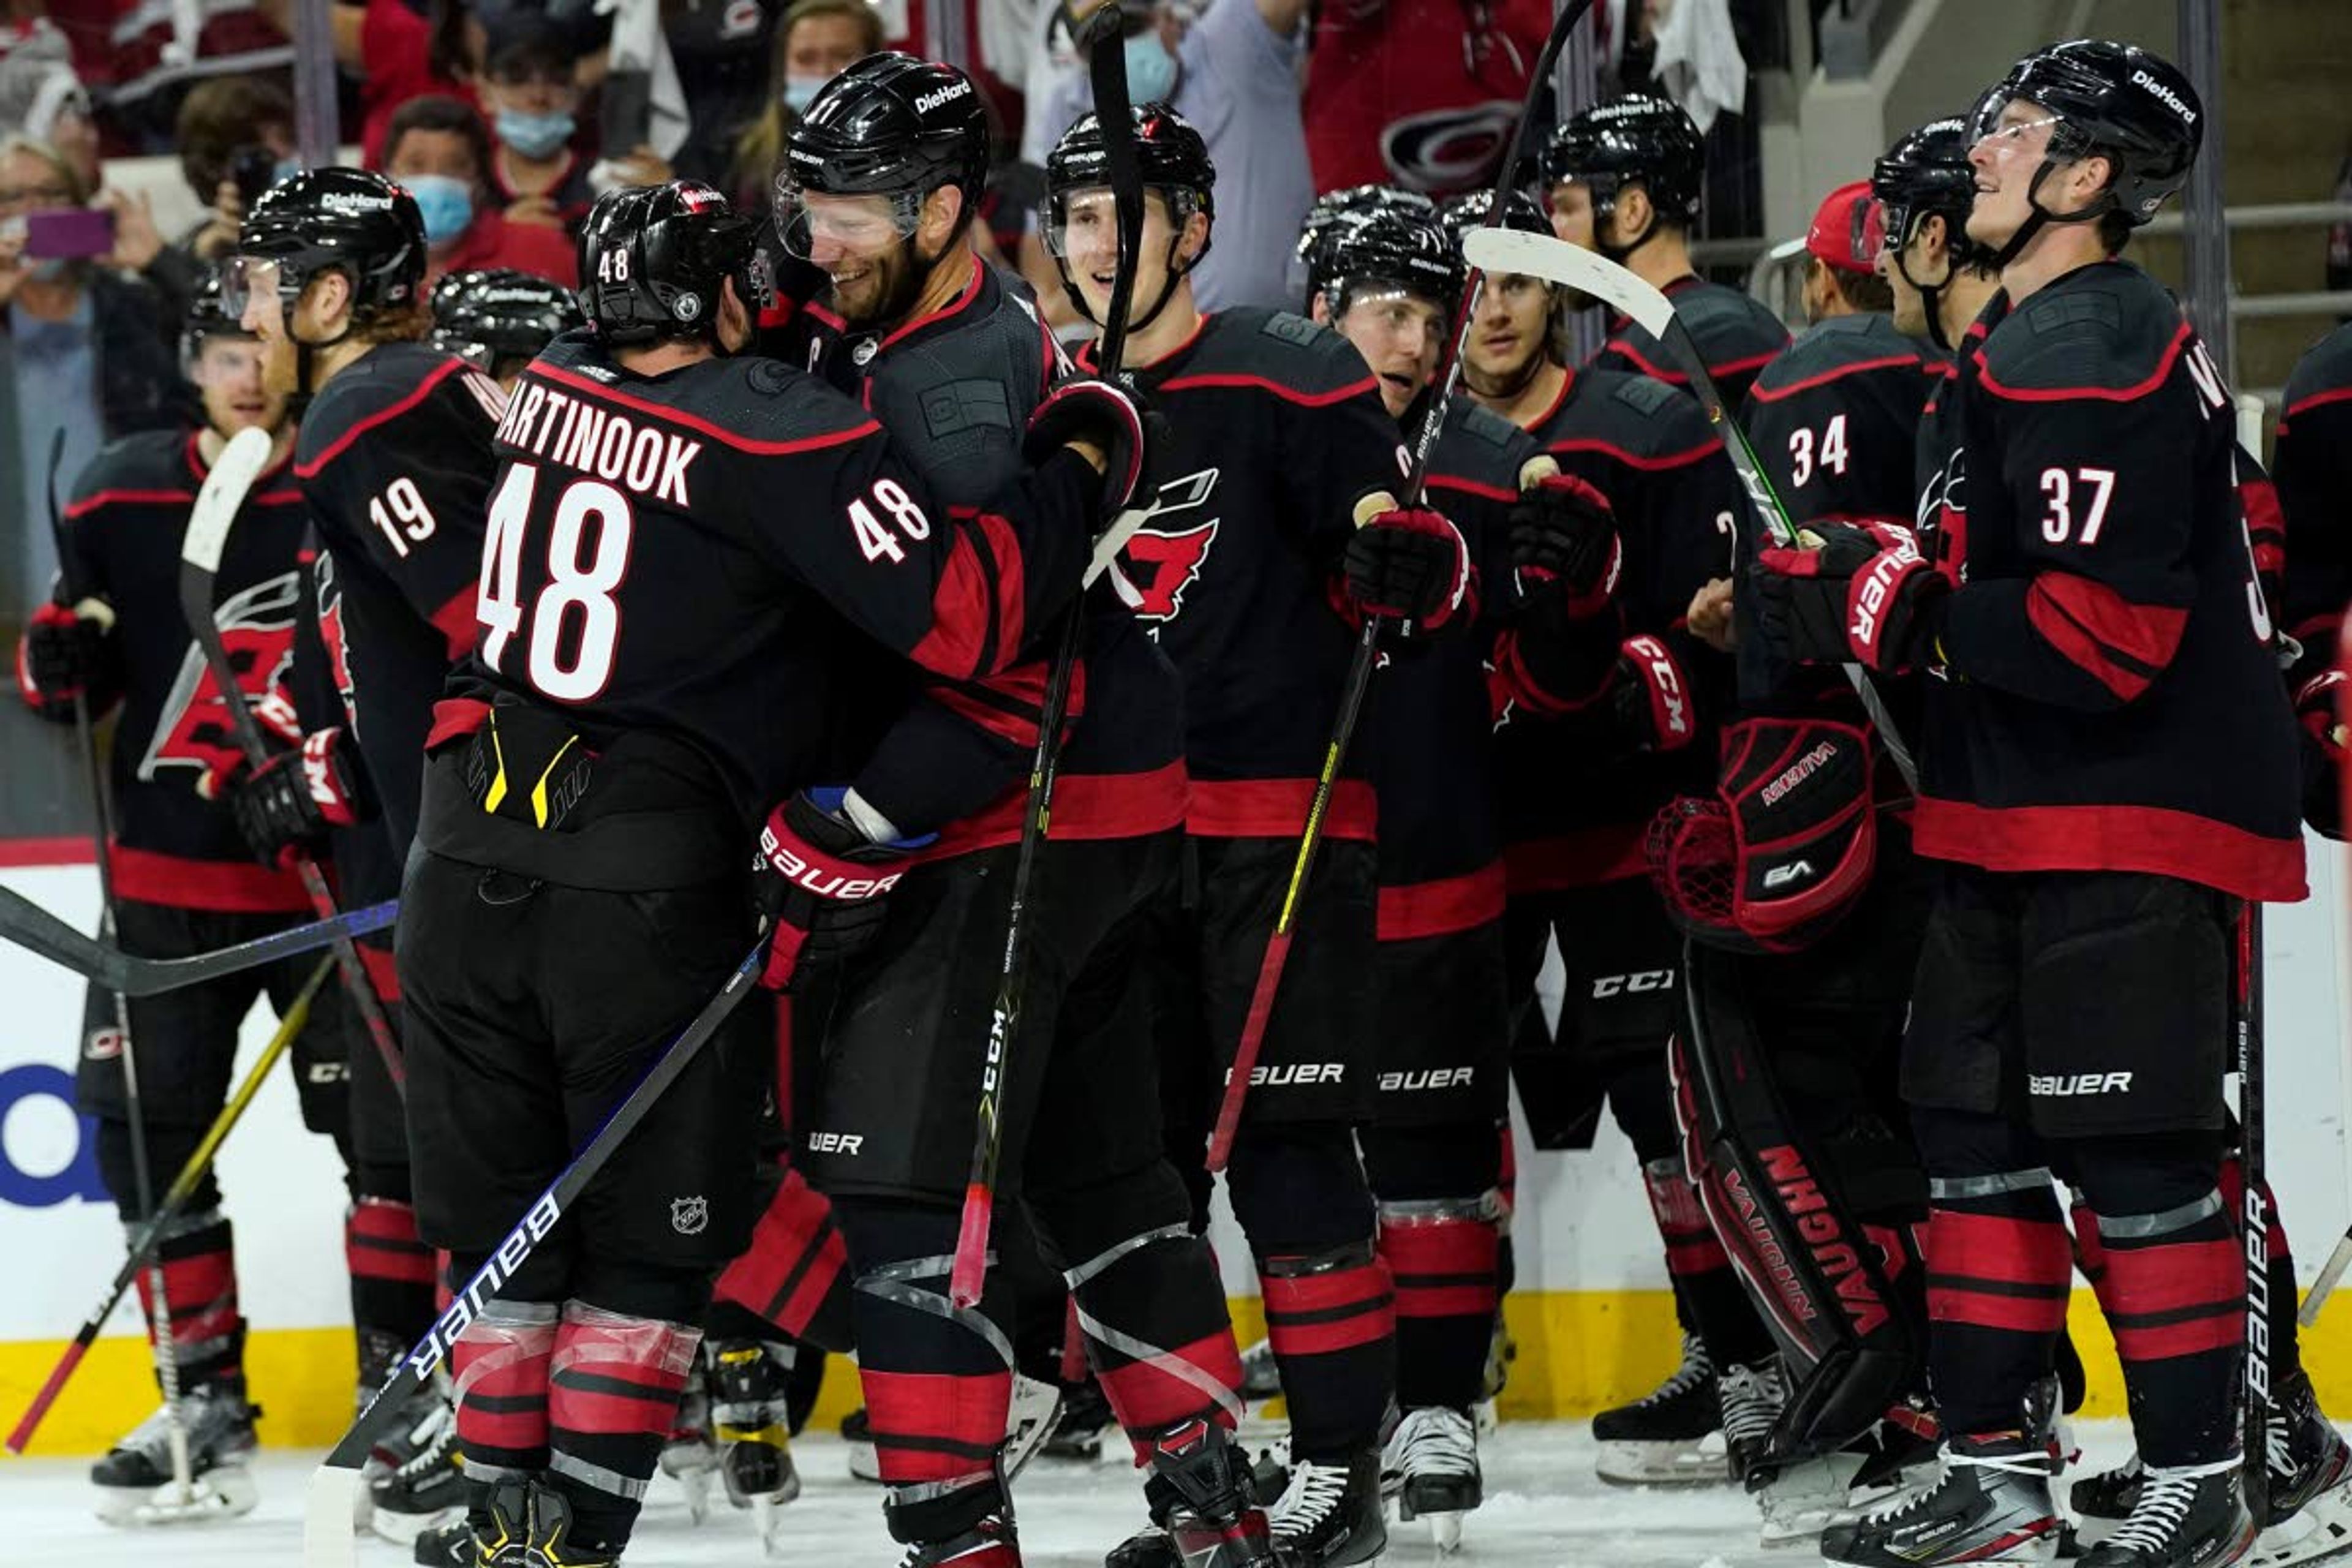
1544	1509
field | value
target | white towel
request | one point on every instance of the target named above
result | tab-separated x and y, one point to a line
1699	64
639	44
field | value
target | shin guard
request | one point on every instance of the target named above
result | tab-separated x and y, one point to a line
793	1273
1444	1256
938	1380
1999	1274
1152	1314
501	1366
2174	1294
198	1254
613	1387
1331	1319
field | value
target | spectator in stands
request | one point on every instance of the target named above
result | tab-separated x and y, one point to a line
438	148
398	54
42	99
82	351
530	89
816	40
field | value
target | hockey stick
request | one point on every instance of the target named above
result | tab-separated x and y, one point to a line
232	474
326	1509
134	1115
1557	261
33	929
1366	655
2331	1274
2255	1222
1106	65
183	1186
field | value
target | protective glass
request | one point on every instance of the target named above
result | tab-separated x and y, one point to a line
1083	221
243	279
1987	133
807	221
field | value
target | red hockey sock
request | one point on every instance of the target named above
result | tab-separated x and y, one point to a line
1153	1317
613	1387
199	1267
2174	1294
1442	1256
500	1365
793	1274
394	1277
1331	1319
1999	1273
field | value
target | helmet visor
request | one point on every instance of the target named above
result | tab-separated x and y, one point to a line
1082	223
246	277
820	227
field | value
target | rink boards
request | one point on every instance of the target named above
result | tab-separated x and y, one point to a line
1592	1316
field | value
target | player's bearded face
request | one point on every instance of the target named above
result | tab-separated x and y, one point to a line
1569	205
870	254
233	376
261	310
1511	328
1399	335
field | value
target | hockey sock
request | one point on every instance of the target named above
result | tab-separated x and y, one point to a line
1147	1302
1999	1274
793	1274
2286	1349
1330	1308
1440	1235
613	1387
1712	1303
395	1281
199	1262
938	1378
500	1365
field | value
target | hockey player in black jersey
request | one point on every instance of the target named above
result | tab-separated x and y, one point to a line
631	718
1277	527
2313	467
877	190
498	320
1579	788
394	461
2094	632
1626	178
182	881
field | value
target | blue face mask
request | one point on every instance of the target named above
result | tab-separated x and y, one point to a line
446	205
1150	69
535	135
799	91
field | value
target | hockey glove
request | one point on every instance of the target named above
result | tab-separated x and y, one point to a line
1866	595
821	883
2318	704
1103	414
286	804
1650	697
1564	532
63	656
1410	566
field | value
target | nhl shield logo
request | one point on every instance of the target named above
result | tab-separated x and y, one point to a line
688	1216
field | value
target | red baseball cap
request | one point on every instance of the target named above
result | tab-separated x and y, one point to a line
1848	229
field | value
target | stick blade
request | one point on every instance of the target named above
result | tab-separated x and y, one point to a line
233	473
327	1505
1496	250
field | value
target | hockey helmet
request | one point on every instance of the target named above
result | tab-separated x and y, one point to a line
1173	160
333	219
889	125
1387	247
1475	209
654	260
1926	174
207	317
489	318
1635	139
2117	101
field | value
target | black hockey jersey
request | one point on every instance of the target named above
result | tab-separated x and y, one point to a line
2311	468
711	553
2107	640
123	528
1575	803
394	459
1428	735
1276	434
954	389
1735	336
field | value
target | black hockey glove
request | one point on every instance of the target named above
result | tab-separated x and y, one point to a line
1564	542
63	656
1650	697
286	806
1408	564
1866	595
821	883
1103	414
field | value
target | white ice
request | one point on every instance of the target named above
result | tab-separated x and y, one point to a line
1544	1509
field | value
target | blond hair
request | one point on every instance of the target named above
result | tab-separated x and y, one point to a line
761	147
34	147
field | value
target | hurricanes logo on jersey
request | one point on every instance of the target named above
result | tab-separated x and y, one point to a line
194	731
1160	564
331	633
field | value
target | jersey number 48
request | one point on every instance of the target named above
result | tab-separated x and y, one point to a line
587	556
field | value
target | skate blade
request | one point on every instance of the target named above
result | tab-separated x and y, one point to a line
402	1528
2320	1531
1623	1463
768	1519
694	1486
863	1464
1445	1531
223	1492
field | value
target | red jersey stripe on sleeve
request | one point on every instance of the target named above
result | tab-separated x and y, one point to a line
1287	393
2121	645
455	622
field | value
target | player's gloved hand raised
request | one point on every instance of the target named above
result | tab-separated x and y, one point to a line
1564	542
1110	417
1649	697
286	804
822	882
1408	564
63	656
1865	594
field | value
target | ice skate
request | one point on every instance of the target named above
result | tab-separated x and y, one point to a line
2104	1501
689	1455
450	1545
991	1543
1433	1457
2308	1518
1991	1505
1079	1435
1261	1378
857	1436
500	1540
550	1543
1751	1397
747	1383
1036	1411
1663	1438
135	1482
1329	1516
427	1489
2190	1517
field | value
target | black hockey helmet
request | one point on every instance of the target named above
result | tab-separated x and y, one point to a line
654	258
1926	174
334	219
1331	204
891	125
208	317
1387	247
1475	209
1634	140
2118	101
489	318
1174	162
